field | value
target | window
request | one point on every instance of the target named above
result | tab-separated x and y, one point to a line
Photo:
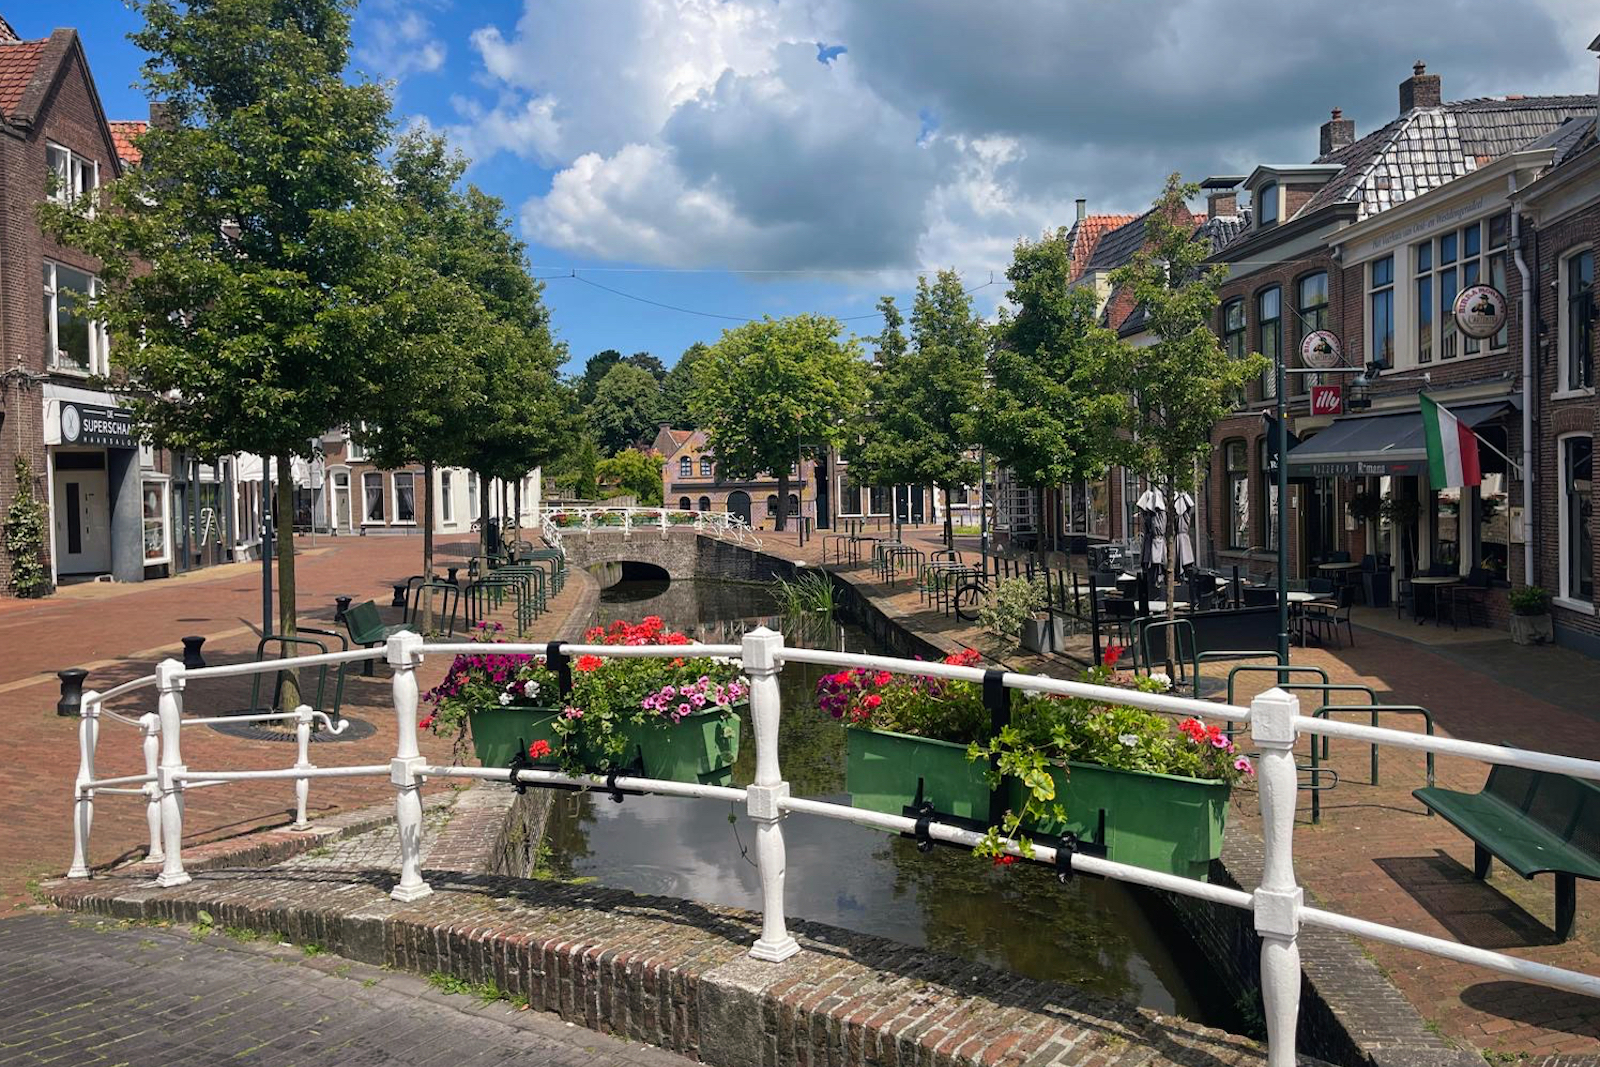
1237	461
772	505
1267	204
1577	320
1269	497
705	503
405	497
372	498
472	495
1312	296
1100	507
683	503
1577	510
1444	266
877	500
1233	329
1494	532
156	549
705	466
794	504
685	467
1380	306
447	497
1269	336
72	176
72	341
354	450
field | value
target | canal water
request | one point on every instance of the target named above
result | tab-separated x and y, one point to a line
1090	933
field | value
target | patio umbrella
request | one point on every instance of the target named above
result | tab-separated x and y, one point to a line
1183	507
1153	520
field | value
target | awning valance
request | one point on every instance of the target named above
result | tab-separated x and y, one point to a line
1378	445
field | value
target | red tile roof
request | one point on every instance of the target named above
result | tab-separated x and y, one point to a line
123	133
18	63
1087	234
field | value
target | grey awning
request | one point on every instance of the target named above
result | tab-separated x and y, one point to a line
1379	444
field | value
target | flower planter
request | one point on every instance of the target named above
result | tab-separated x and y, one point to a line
1532	629
498	733
1161	822
882	770
699	748
1039	635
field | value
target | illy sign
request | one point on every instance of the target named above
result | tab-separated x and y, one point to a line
1327	400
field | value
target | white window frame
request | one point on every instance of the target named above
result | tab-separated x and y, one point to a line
685	467
707	468
447	503
355	451
394	494
366	514
1563	329
164	482
70	171
99	339
1564	597
1395	301
1406	339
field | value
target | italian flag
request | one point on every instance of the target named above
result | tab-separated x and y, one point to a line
1452	448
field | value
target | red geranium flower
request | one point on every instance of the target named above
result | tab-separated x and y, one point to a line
872	700
1004	860
588	663
1112	654
539	749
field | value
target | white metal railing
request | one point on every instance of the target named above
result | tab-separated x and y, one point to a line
724	525
1277	903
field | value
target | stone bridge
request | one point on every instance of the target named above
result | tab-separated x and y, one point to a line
679	551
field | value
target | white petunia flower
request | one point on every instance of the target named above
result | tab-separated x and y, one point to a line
505	698
1161	678
1128	739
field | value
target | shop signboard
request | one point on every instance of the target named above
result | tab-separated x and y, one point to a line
1480	311
1327	400
94	424
1320	349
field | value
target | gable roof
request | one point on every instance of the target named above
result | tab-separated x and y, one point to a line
1429	146
1117	247
1085	237
1217	232
123	133
20	63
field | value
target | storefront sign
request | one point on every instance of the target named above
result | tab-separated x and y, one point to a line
1320	349
1357	468
1327	400
1480	311
91	424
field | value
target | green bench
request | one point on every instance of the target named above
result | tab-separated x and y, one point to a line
367	628
1535	823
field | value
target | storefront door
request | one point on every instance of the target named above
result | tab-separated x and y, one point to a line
83	514
341	501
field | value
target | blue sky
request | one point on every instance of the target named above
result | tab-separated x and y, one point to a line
746	157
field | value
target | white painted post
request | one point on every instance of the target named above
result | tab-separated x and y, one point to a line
405	770
763	659
663	524
302	786
1278	899
150	725
169	685
627	524
83	796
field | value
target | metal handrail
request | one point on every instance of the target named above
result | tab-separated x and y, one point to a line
719	524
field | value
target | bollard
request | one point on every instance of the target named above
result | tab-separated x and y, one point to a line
341	607
192	659
70	706
399	600
452	572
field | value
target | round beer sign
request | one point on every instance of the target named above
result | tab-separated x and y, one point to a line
1320	349
1480	311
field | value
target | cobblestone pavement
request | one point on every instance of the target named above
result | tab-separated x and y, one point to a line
89	991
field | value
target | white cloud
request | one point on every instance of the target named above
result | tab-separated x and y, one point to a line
397	40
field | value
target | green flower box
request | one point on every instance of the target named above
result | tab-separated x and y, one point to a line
701	747
882	770
1162	822
498	732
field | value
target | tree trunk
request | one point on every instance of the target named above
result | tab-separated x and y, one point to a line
289	688
516	507
949	521
783	501
485	487
427	544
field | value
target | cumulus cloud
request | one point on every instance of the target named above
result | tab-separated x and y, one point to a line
839	135
398	39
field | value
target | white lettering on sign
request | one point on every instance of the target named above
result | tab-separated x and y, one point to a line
1327	399
1433	222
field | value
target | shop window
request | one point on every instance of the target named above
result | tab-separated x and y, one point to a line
1380	308
72	340
1577	512
1494	501
405	499
683	504
1447	527
156	548
1078	508
372	498
71	175
685	467
1100	507
447	497
1269	336
1237	461
1269	499
705	466
1577	320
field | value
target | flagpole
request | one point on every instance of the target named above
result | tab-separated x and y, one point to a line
1513	464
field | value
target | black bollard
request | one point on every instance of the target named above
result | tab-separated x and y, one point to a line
70	706
341	607
453	579
191	653
399	600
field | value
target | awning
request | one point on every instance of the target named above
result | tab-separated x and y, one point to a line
1379	445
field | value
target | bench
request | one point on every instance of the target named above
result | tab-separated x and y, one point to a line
1535	823
367	628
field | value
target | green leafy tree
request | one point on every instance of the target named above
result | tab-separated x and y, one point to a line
678	387
625	408
772	390
635	472
594	370
234	254
24	537
1176	389
1049	414
576	471
919	423
647	362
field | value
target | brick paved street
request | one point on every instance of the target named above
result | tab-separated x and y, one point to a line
90	991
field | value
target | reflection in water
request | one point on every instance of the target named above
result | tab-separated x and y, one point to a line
1087	932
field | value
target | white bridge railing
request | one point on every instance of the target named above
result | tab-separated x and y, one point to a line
560	523
1277	903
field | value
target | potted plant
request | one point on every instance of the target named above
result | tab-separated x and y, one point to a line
1530	616
500	702
908	736
1153	792
1012	611
1364	507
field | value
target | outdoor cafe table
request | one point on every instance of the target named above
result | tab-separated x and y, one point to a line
1346	566
1431	583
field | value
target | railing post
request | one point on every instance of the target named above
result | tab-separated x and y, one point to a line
1278	899
302	786
763	658
150	725
405	770
169	685
663	524
83	796
627	524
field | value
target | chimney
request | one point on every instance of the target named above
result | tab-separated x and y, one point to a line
1222	195
1083	209
1420	90
161	116
1338	132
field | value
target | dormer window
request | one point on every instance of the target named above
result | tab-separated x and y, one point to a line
1267	204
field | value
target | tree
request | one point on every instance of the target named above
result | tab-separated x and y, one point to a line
678	387
1175	390
919	423
1049	414
25	537
771	390
635	472
598	366
233	254
646	362
576	471
625	408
